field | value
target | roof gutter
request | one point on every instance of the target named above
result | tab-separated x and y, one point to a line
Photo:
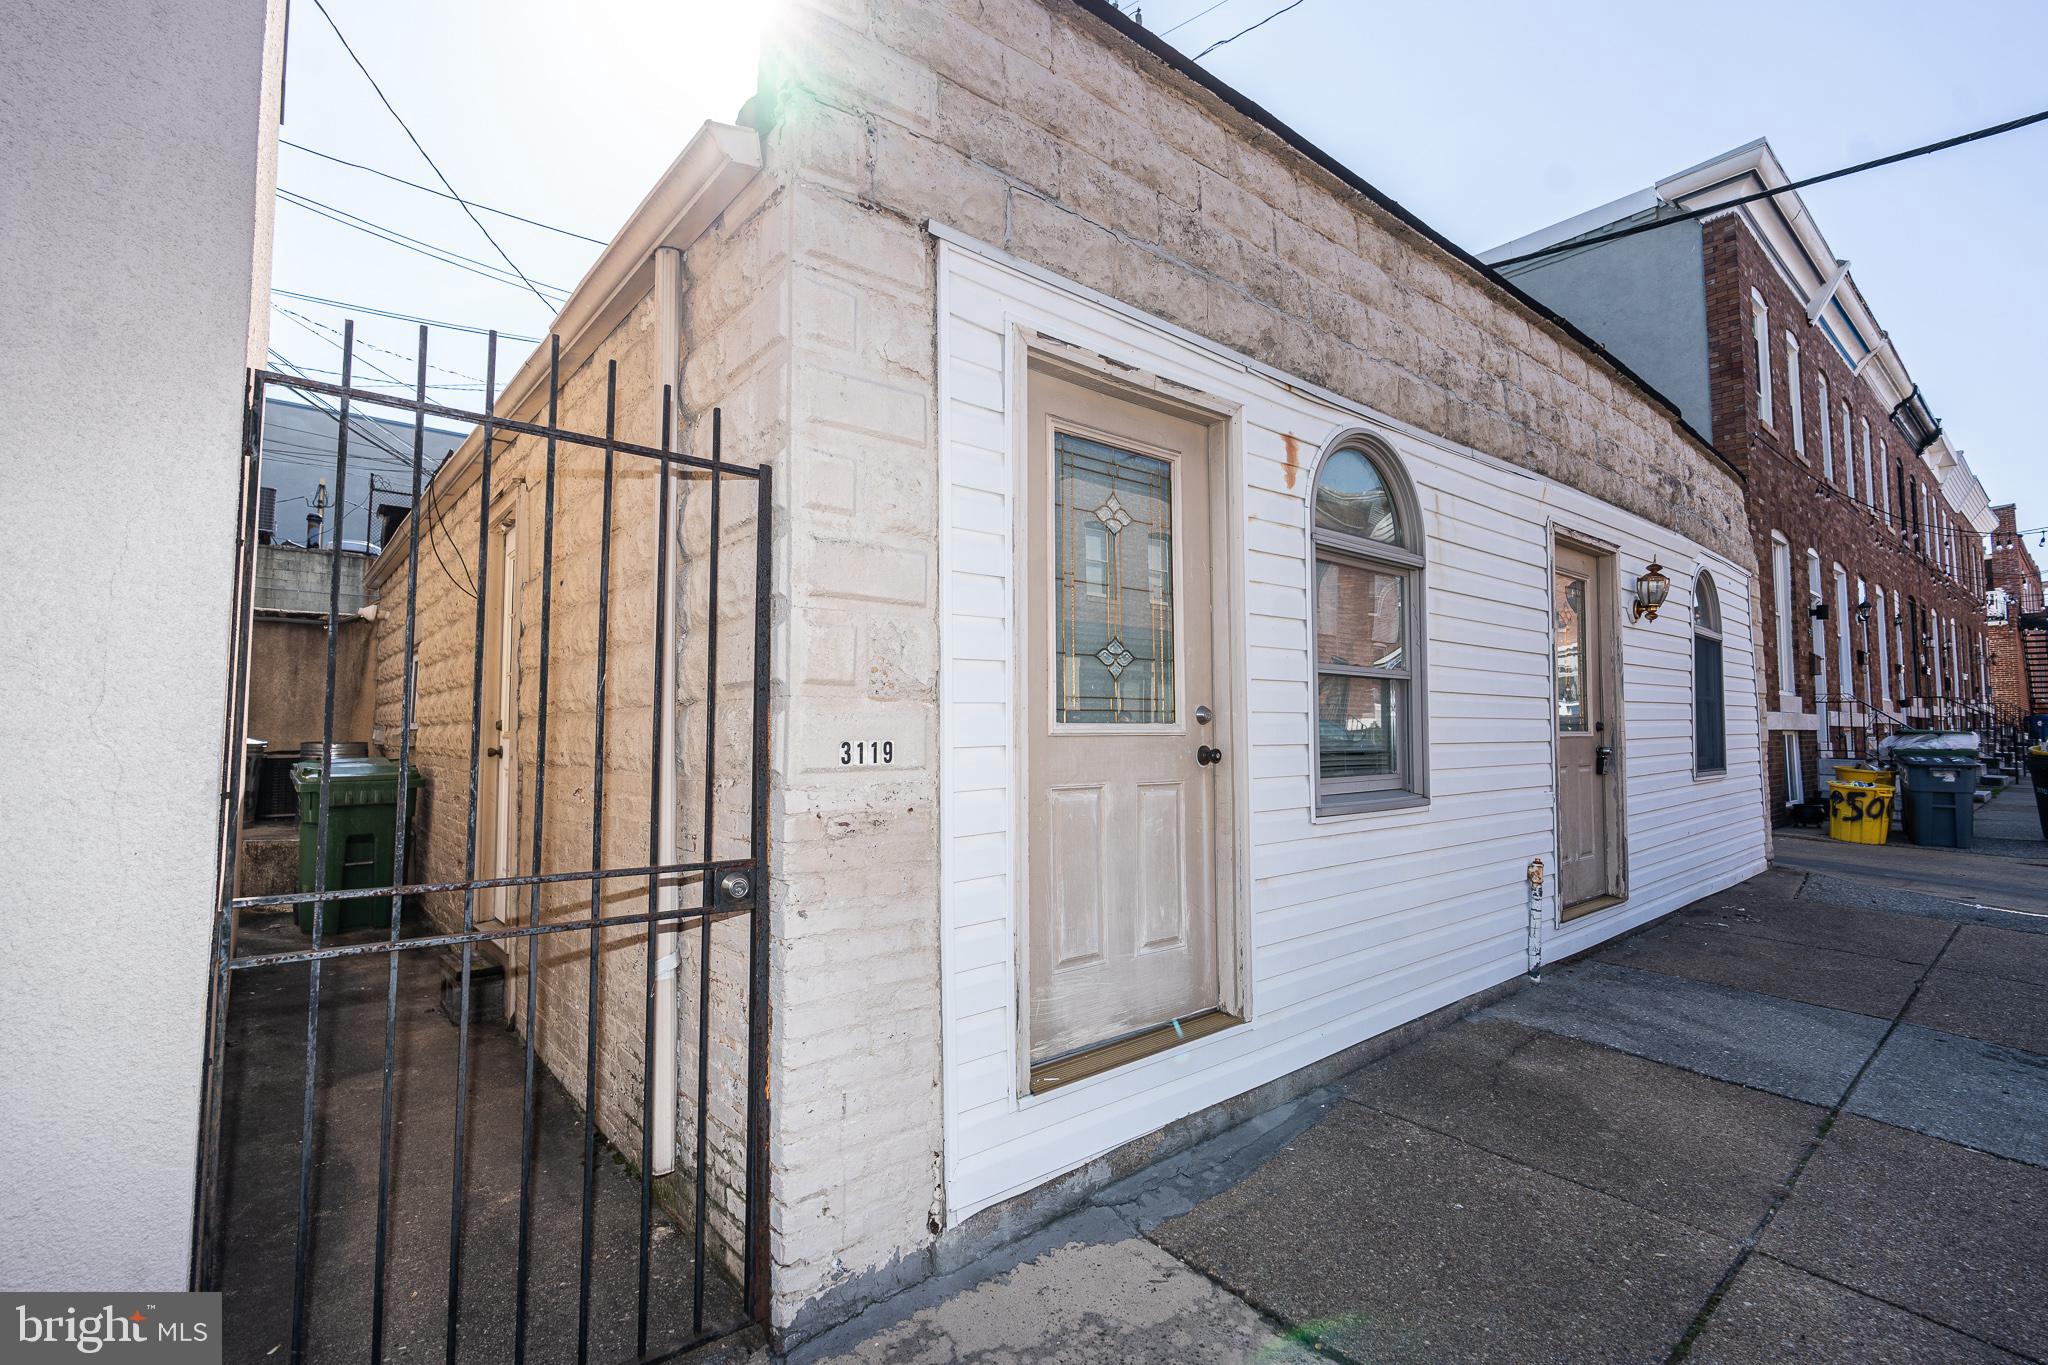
719	162
1166	52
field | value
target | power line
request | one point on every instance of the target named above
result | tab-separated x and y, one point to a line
1691	215
445	184
398	239
381	350
1192	17
400	317
1220	42
429	189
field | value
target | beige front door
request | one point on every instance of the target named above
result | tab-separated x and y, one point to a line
498	773
1124	708
1585	754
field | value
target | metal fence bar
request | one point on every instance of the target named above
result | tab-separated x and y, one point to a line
302	1243
480	883
409	692
754	1256
604	600
204	1272
709	888
514	426
476	720
426	941
540	801
656	789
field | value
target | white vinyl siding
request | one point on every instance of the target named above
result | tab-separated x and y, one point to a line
1351	925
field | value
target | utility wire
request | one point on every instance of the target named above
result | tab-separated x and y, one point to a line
442	194
336	334
371	225
398	239
1220	42
2011	125
1192	17
319	5
407	461
400	317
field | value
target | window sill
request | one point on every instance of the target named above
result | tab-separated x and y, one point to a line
1709	774
1372	803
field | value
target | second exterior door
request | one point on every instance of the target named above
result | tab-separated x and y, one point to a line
1122	733
1585	740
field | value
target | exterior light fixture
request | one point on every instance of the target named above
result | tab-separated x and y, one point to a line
1652	587
1863	612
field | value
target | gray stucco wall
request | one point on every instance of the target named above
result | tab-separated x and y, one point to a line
136	172
1645	299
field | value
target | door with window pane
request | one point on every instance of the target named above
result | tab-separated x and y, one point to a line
1122	929
1585	754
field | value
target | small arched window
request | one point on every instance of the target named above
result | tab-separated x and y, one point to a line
1710	718
1368	623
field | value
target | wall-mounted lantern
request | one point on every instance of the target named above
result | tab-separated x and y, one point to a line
1652	587
1863	612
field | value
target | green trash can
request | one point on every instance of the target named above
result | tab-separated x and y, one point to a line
362	834
1939	796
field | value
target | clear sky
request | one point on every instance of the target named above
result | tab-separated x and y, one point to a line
1486	119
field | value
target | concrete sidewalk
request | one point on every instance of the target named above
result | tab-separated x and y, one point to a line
1805	1119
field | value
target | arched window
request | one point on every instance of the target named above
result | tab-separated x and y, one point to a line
1368	623
1710	717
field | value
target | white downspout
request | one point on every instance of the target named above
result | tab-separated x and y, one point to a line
668	313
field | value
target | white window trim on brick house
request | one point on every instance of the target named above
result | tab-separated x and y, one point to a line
1883	633
1761	328
1781	588
1827	431
1797	412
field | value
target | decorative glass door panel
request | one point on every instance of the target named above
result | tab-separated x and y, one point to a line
1112	564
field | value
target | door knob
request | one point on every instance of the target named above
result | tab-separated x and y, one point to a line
496	751
1207	755
1602	757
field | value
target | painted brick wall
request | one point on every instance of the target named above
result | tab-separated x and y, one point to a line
1790	492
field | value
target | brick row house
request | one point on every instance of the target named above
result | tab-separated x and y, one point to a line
1867	524
2018	619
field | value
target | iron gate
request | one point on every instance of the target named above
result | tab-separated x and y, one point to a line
257	971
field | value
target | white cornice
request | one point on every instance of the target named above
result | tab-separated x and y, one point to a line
719	162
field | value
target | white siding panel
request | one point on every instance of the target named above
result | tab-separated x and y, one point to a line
1354	924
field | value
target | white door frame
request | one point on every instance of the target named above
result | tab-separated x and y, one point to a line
1225	451
498	801
1606	557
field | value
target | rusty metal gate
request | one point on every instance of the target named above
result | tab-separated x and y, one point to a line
450	1249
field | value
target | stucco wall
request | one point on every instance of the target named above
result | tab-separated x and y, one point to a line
133	219
1035	128
288	682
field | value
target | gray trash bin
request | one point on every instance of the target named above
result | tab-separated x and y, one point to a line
1938	796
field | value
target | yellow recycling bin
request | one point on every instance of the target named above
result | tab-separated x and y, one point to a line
1874	777
1859	812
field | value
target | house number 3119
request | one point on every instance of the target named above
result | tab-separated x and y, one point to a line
865	751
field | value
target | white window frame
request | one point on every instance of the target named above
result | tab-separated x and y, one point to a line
1869	477
1797	412
1849	448
1827	432
1705	594
1761	329
1884	468
1884	652
1781	588
1408	784
1845	646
